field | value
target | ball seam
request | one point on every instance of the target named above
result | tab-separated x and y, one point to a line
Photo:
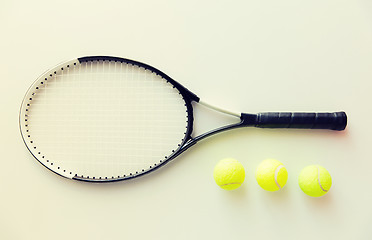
276	175
230	184
320	185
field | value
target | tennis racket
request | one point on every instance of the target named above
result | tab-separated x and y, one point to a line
102	119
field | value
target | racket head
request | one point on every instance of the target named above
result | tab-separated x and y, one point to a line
105	119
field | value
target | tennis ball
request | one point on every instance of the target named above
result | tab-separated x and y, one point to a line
229	174
315	180
271	175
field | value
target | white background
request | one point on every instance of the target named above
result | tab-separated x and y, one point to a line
248	56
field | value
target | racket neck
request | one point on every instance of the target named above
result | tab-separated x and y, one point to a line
248	119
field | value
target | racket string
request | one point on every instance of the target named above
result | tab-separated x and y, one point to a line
119	121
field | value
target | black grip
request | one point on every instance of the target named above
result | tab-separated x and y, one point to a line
333	121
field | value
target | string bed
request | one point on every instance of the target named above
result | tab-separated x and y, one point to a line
103	119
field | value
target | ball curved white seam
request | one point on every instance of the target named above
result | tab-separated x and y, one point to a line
320	185
276	176
230	183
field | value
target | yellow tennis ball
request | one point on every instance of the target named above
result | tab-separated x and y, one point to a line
271	175
315	180
229	174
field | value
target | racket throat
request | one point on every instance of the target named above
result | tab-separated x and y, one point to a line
248	119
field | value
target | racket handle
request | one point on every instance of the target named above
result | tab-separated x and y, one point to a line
332	121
